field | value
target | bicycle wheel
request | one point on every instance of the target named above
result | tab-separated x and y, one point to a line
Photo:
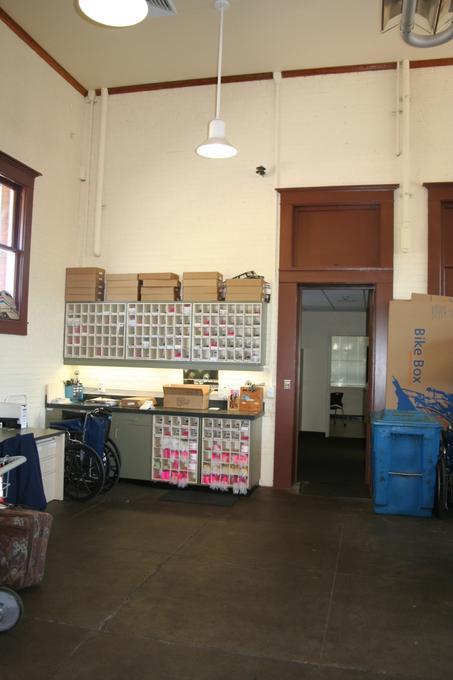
83	472
442	483
112	467
11	609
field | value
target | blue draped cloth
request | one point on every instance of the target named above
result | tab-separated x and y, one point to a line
25	482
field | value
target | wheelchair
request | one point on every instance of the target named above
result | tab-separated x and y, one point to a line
444	475
92	462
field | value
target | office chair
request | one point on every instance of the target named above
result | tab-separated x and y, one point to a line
336	404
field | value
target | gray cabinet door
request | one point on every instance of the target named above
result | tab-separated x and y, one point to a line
132	433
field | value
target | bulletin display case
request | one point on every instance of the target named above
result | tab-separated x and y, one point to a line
228	458
175	449
95	330
227	332
159	331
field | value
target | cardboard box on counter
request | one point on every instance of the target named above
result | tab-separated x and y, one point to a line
135	402
186	396
419	368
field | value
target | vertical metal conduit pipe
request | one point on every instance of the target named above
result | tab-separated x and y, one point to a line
100	173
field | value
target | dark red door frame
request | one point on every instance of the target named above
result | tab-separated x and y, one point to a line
292	278
440	196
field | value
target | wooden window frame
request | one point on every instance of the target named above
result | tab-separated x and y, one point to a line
21	178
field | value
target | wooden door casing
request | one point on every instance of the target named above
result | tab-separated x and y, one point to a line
328	262
440	238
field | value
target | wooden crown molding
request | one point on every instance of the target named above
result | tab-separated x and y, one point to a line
194	82
40	51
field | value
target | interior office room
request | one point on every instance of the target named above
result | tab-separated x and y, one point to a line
341	131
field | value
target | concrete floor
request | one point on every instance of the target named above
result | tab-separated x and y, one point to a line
279	586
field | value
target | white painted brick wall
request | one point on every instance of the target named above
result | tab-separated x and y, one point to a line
167	209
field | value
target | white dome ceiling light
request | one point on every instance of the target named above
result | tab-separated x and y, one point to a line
117	13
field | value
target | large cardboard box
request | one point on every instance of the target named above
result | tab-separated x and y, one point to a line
86	296
186	396
420	366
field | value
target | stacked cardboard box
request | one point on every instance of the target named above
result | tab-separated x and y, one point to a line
121	287
84	284
244	290
201	286
160	287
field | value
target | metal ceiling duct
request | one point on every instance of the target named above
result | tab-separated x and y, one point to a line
432	17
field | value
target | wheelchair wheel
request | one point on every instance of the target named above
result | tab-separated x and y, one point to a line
11	609
112	445
442	489
84	474
112	466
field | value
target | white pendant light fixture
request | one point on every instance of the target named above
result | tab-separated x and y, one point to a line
216	145
115	13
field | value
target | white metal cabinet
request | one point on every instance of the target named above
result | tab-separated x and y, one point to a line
51	461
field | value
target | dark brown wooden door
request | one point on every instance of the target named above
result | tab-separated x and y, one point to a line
329	236
440	238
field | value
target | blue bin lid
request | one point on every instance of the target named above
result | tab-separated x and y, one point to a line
404	418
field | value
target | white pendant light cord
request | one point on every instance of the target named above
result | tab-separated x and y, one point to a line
221	7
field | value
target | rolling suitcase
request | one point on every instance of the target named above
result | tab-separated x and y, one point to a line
24	535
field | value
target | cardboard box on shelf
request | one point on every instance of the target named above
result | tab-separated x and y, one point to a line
202	275
73	290
186	396
121	277
160	283
196	283
251	296
159	294
157	275
244	283
199	295
419	369
89	296
85	270
84	280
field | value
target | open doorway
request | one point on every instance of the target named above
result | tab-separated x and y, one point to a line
334	401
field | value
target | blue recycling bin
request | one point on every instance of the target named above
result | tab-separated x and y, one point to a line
405	450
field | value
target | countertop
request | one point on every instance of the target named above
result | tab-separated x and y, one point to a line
212	412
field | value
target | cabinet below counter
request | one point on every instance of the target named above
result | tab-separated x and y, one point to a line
50	445
214	448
